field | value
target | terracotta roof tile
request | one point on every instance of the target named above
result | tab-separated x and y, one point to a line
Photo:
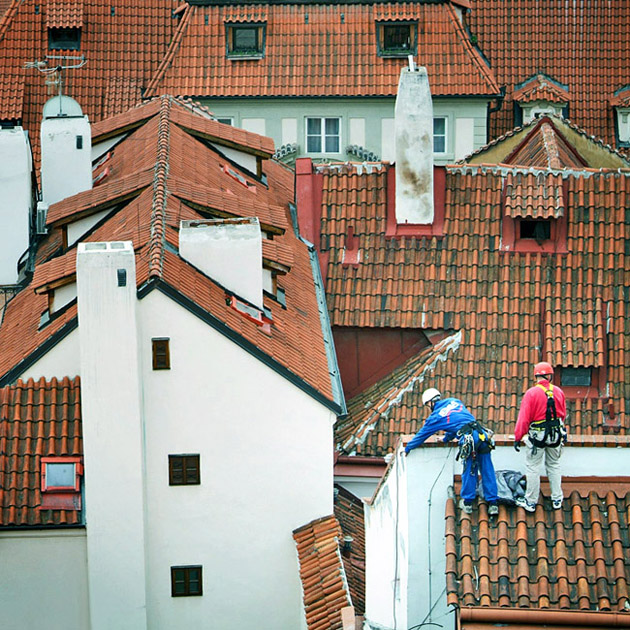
324	585
304	57
64	13
163	158
526	37
621	97
538	196
349	513
36	419
541	88
573	558
464	282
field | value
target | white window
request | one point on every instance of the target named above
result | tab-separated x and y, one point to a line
226	120
59	476
323	135
439	135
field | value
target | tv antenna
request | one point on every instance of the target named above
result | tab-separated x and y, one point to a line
53	69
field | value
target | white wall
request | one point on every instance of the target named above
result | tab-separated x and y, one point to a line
246	160
289	130
464	137
43	580
266	452
77	229
256	125
15	200
112	436
63	295
62	360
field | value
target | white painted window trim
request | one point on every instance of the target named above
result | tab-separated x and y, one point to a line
446	133
322	134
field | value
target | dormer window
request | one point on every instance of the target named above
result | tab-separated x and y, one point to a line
621	106
61	483
396	39
539	230
245	41
64	38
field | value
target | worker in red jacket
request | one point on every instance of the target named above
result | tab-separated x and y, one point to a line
540	425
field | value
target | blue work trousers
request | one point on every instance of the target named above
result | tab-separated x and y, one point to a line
482	463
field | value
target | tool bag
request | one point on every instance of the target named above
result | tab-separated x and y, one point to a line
468	446
552	425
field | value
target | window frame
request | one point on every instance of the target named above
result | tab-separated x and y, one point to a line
384	51
185	457
254	53
521	221
78	471
322	135
186	569
445	119
156	354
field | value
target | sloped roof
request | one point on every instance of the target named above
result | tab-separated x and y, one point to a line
503	304
304	56
541	88
582	45
324	584
569	559
123	45
37	419
180	163
349	514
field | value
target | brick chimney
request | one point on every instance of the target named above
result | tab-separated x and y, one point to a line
414	148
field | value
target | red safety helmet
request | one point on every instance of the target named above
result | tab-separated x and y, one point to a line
543	369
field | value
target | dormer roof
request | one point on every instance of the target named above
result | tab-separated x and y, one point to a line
541	88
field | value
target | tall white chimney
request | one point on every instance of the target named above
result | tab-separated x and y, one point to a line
228	251
112	435
414	148
66	141
16	200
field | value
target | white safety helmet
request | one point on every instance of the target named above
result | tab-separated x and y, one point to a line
430	395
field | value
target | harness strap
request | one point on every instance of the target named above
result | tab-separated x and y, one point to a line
551	424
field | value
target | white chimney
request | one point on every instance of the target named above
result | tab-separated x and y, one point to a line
227	250
16	200
112	435
66	140
414	148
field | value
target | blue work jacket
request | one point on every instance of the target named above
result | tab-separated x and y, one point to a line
448	415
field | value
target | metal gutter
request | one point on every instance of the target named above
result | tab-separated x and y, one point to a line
539	617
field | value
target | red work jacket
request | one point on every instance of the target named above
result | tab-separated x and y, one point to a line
534	407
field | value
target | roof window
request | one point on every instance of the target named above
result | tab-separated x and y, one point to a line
396	39
245	41
64	38
61	483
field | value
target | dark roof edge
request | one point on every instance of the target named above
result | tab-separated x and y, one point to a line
39	352
329	342
32	528
248	346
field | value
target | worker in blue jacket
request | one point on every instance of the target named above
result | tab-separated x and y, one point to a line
475	443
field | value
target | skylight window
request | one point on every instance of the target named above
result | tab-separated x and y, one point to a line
396	39
64	38
245	41
61	483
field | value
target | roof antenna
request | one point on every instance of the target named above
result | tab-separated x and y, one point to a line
54	73
412	63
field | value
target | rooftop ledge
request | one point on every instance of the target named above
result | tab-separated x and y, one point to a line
504	439
462	3
537	617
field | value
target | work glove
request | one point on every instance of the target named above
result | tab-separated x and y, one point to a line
517	446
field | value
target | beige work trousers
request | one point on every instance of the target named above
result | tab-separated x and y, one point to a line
534	457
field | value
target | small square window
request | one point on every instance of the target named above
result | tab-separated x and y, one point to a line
536	229
61	483
576	377
64	39
184	470
161	353
186	581
396	39
439	135
225	120
245	41
323	135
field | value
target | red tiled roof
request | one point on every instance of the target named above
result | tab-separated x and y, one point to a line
304	56
464	282
569	559
536	195
324	585
64	13
349	513
176	161
621	97
541	88
37	419
580	44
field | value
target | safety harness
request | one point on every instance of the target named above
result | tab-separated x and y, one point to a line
467	446
552	425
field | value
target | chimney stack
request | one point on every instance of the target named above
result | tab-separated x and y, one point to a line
66	141
229	251
16	200
414	147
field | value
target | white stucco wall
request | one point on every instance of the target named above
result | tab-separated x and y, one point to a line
246	160
77	229
43	580
61	360
15	201
266	453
